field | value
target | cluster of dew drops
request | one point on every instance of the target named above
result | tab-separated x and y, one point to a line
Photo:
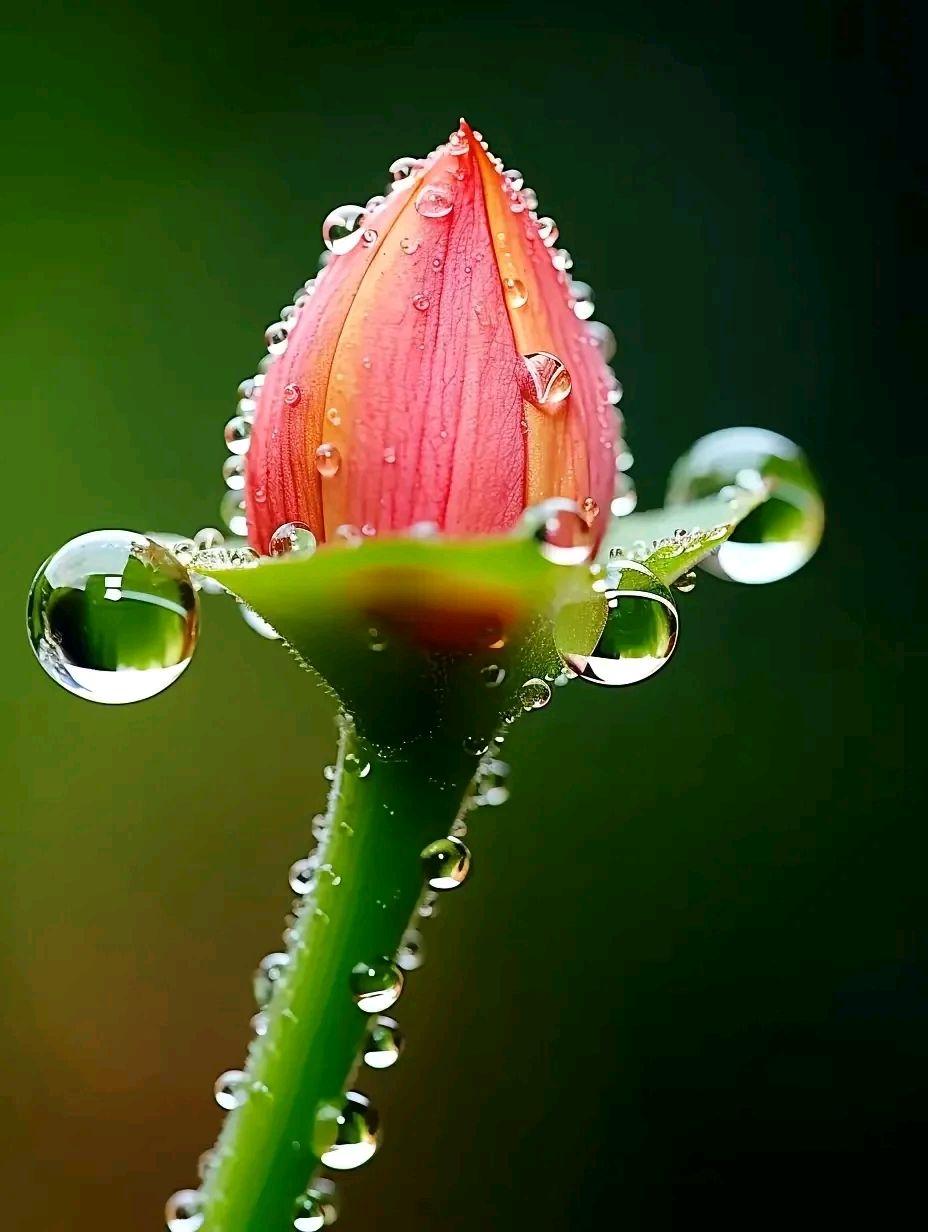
548	382
375	985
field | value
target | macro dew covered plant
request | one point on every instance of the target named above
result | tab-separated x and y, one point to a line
428	503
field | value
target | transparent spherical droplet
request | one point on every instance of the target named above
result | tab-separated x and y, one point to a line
492	786
534	694
376	986
514	179
231	1089
627	500
686	583
317	1208
238	434
233	472
446	863
276	336
402	169
341	230
562	260
409	246
603	337
270	971
549	378
292	539
328	460
475	745
232	512
303	874
492	675
257	623
639	634
357	1132
183	1211
435	200
547	231
780	535
384	1044
420	302
411	954
292	394
113	617
357	766
516	294
208	537
562	533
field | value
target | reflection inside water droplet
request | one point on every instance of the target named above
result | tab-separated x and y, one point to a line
562	533
550	380
516	294
435	200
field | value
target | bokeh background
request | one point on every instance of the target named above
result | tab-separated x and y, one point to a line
688	977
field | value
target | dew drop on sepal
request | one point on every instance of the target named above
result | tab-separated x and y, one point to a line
782	533
113	617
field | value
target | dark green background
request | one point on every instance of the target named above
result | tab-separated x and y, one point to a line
687	978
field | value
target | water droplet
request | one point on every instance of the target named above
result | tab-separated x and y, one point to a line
547	231
348	536
420	302
446	863
208	537
535	694
376	986
237	434
183	1211
475	745
780	535
292	539
516	294
258	1024
550	379
603	337
113	617
409	246
686	583
458	143
270	970
411	954
232	512
328	460
561	532
640	630
492	675
276	336
292	394
357	1132
435	200
627	500
257	623
384	1044
492	787
360	767
389	455
231	1089
590	510
402	170
317	1208
302	876
341	230
333	416
514	179
582	295
562	260
233	472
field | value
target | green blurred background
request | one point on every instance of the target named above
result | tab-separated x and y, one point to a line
687	978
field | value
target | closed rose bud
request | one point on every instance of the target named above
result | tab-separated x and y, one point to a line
436	370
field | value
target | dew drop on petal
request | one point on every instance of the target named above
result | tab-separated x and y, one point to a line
113	617
640	631
183	1211
409	246
357	1132
435	200
328	460
550	379
516	294
341	230
276	337
233	472
445	863
293	538
562	533
603	337
420	302
384	1044
376	986
780	535
547	231
292	394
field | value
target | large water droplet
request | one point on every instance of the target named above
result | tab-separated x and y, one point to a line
238	434
292	539
231	1089
276	336
435	200
534	694
113	617
376	985
233	472
384	1044
639	634
328	460
357	1132
317	1208
446	863
183	1211
562	533
270	970
341	230
777	537
550	379
516	294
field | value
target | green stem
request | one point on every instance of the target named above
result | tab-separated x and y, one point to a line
378	825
